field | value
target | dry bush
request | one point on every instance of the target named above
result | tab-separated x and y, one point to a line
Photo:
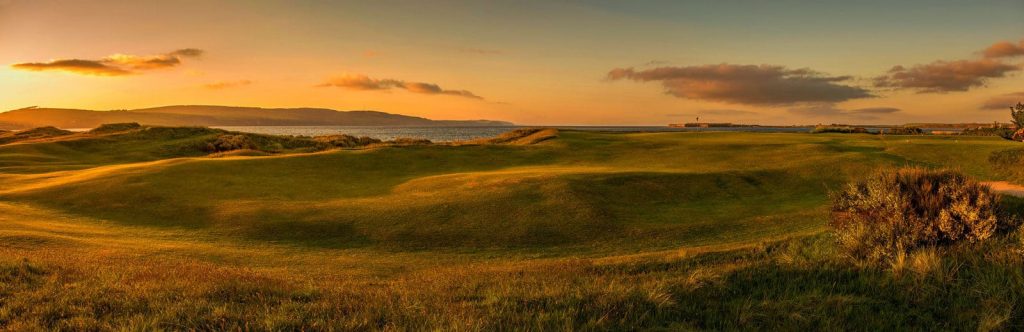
410	141
839	129
894	212
904	131
229	142
346	141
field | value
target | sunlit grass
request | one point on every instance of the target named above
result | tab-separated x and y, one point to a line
586	231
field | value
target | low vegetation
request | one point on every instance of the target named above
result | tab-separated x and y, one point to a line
839	129
115	128
347	141
139	230
896	212
1009	163
523	136
997	131
403	141
32	134
903	131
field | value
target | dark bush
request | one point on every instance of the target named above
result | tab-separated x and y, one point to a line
346	141
839	129
1003	132
896	211
904	131
410	141
231	142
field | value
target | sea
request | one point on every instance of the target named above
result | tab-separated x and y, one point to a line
448	134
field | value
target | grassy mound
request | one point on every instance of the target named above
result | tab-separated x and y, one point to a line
591	190
32	134
115	128
601	231
126	143
524	136
897	211
1009	163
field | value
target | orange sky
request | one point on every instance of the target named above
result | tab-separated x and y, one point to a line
529	62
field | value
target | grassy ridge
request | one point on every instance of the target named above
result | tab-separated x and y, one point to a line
583	231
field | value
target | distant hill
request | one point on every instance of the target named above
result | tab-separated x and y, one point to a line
212	116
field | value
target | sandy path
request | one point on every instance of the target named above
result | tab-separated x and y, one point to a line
1006	188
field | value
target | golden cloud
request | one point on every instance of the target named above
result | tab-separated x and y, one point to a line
87	67
363	82
1004	49
113	65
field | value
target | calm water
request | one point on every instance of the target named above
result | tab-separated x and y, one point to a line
444	134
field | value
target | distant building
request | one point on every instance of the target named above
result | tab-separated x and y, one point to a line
701	125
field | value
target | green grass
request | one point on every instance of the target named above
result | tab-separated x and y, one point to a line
583	231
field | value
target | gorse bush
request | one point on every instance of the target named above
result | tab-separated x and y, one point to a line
904	131
346	141
410	141
231	142
839	129
896	211
1003	132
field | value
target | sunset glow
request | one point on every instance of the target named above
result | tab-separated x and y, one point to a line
579	62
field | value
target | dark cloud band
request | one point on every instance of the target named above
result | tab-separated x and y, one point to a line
746	84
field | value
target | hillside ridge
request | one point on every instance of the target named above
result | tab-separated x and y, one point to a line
213	116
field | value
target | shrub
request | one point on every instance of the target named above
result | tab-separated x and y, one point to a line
839	129
346	141
229	142
904	131
410	141
1003	132
896	211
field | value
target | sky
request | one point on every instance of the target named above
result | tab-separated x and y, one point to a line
528	62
